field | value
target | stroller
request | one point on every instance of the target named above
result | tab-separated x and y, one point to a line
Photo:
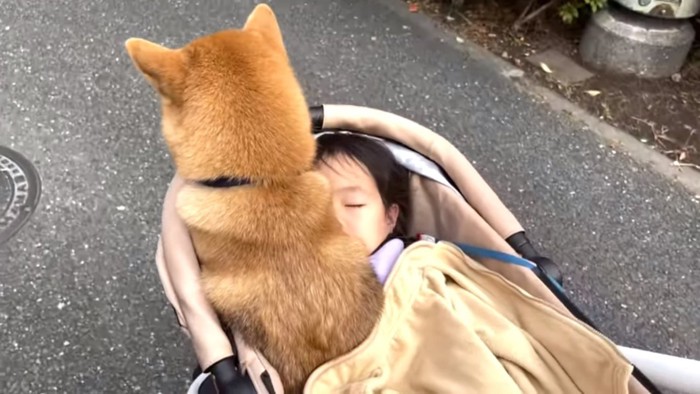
452	202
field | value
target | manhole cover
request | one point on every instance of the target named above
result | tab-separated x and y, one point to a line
20	188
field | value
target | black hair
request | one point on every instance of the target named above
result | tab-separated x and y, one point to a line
391	178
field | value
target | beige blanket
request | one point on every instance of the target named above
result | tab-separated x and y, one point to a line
452	326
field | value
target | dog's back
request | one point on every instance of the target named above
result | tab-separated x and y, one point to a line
276	265
282	274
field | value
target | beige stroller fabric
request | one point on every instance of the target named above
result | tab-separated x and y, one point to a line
452	326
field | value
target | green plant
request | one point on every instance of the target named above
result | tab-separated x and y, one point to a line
571	10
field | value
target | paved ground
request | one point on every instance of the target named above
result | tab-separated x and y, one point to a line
81	309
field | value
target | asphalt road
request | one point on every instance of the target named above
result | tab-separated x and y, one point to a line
81	307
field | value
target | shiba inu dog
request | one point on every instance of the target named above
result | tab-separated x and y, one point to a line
275	263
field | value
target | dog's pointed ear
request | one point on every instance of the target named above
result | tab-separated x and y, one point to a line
163	67
262	19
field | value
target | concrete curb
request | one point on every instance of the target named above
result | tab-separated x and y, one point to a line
625	142
640	152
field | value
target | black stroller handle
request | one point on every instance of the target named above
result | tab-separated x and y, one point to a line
316	112
522	245
225	378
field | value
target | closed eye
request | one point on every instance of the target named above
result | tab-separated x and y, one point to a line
354	205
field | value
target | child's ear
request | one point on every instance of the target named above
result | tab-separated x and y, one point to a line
163	67
392	216
262	19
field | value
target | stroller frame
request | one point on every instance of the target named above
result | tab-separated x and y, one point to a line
671	372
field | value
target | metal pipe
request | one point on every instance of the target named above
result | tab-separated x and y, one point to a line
674	373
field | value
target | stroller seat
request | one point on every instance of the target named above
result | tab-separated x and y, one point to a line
451	202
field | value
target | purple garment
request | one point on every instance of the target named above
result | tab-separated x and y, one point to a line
383	260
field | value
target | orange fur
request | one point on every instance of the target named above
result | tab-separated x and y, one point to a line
276	265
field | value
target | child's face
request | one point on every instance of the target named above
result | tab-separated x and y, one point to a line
357	202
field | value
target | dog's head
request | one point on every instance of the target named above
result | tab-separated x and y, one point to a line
231	103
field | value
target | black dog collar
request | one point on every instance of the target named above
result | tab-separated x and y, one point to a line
225	182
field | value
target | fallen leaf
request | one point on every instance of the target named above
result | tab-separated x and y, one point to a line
460	40
593	92
413	7
682	156
546	68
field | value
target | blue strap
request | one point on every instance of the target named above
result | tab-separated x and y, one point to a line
475	251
